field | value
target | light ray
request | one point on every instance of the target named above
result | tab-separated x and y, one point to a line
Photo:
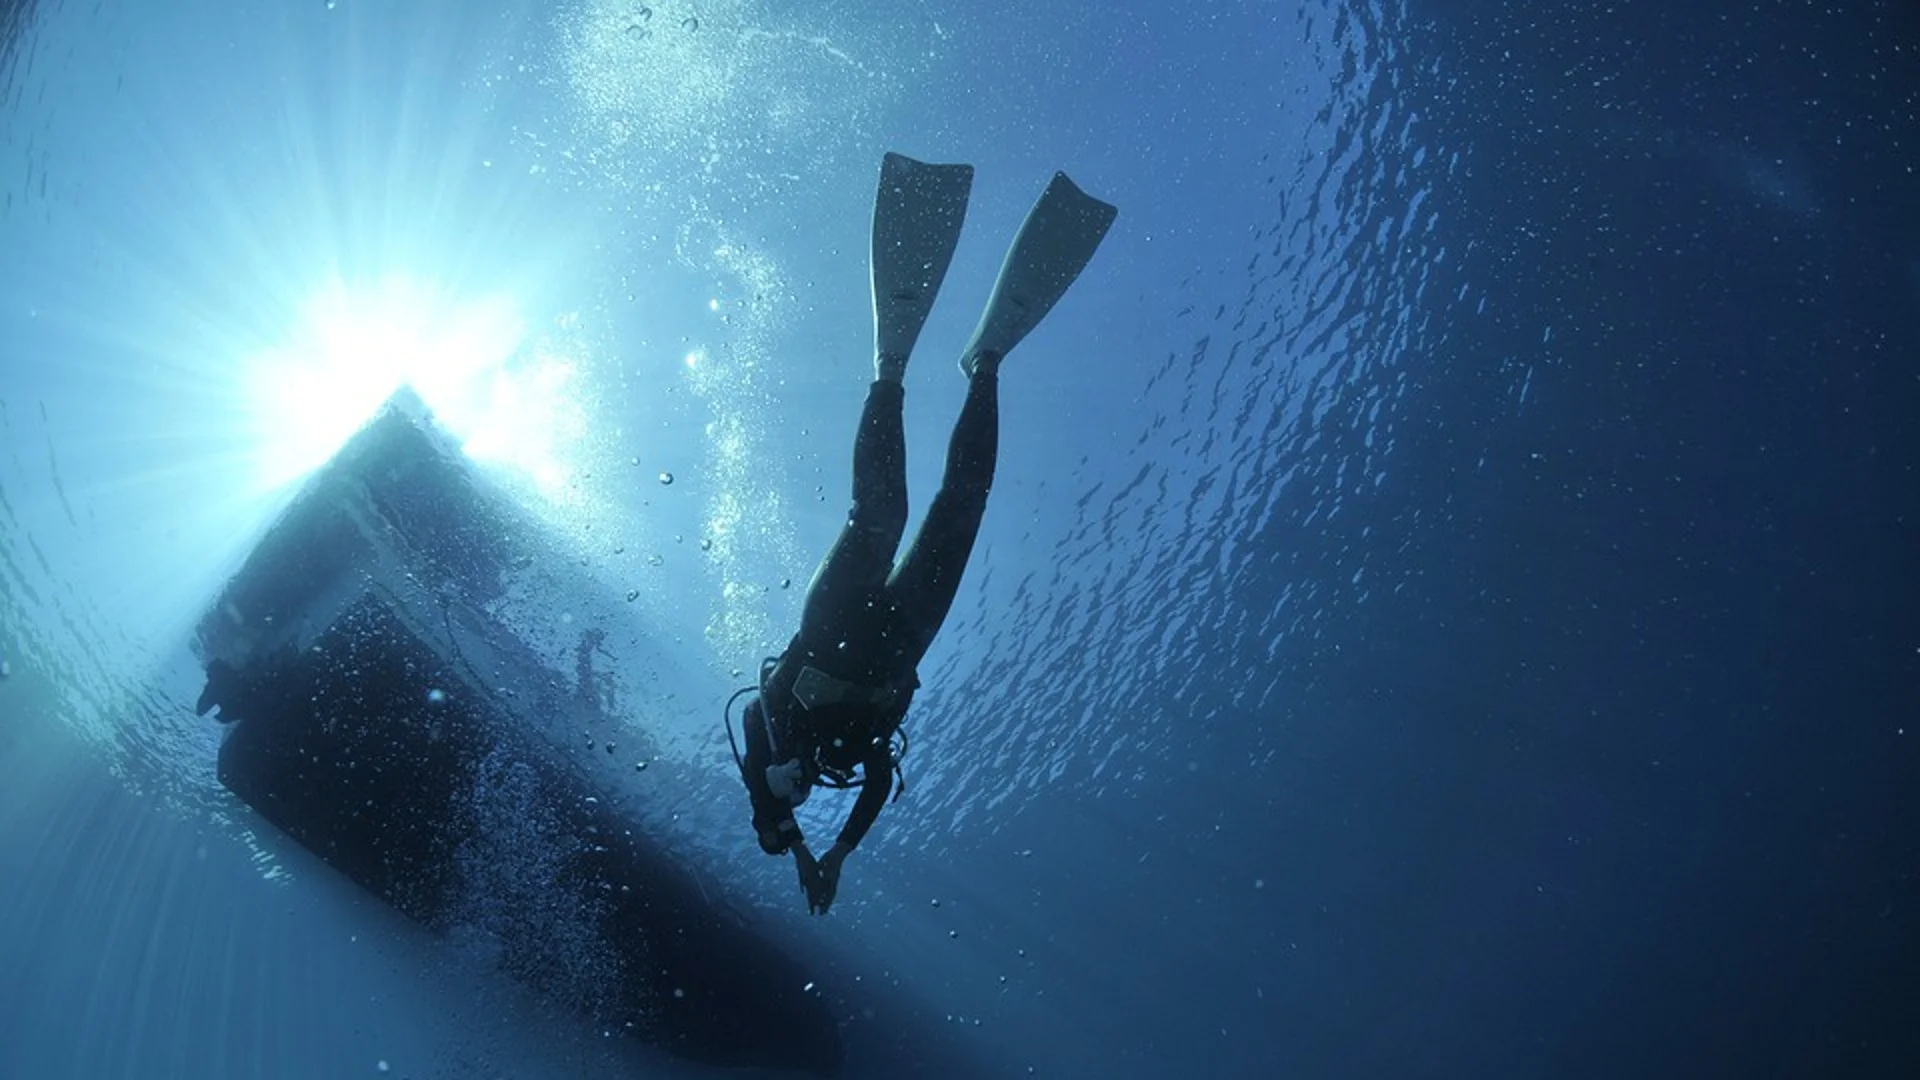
354	348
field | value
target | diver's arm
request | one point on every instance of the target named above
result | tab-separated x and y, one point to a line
873	799
773	816
821	878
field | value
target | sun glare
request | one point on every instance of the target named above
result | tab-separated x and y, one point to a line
509	402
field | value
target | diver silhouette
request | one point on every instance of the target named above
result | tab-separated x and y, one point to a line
828	711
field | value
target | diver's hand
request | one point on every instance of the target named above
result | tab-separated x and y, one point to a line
809	869
826	879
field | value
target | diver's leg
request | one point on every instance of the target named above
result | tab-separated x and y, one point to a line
924	585
917	213
859	560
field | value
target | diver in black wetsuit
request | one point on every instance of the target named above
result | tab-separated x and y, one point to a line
829	709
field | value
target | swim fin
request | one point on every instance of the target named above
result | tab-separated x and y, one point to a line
1054	244
917	214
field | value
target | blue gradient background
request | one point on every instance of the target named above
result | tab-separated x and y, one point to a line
1449	606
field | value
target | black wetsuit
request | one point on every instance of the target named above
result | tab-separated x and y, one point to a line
868	622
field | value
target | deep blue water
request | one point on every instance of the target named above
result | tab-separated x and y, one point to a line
1448	607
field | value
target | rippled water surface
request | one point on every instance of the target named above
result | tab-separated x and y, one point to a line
1446	605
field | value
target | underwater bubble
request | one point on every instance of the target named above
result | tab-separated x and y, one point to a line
632	595
666	478
435	696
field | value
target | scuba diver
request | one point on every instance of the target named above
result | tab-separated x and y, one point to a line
831	706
